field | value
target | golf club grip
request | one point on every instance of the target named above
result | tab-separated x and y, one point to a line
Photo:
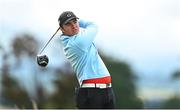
49	41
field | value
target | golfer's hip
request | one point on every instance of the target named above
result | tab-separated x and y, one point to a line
104	82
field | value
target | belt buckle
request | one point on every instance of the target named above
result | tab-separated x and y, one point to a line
101	86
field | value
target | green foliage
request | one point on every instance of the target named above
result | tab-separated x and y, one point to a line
64	96
11	91
14	94
176	75
172	103
24	44
123	84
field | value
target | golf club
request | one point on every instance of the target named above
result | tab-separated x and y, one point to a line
49	41
43	60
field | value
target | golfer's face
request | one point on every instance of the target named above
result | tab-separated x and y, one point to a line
71	28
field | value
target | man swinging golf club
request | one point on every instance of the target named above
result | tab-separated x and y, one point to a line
77	38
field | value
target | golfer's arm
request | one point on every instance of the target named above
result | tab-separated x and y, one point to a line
88	34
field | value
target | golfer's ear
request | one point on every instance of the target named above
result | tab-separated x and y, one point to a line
61	28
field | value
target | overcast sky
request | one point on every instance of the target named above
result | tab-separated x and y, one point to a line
144	33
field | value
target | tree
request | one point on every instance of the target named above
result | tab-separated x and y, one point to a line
64	95
25	44
11	91
176	75
174	101
123	84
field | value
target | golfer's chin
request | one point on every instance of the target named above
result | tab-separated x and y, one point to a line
74	32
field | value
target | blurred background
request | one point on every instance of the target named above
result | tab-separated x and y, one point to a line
139	41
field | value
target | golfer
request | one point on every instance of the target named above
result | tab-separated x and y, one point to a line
77	38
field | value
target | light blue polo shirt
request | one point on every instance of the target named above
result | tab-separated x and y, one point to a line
82	52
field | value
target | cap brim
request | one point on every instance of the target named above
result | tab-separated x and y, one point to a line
65	22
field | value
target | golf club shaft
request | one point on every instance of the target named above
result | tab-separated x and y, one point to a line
49	41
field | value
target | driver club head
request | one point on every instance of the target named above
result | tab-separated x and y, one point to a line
42	60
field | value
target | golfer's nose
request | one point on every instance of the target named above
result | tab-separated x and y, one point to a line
73	25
